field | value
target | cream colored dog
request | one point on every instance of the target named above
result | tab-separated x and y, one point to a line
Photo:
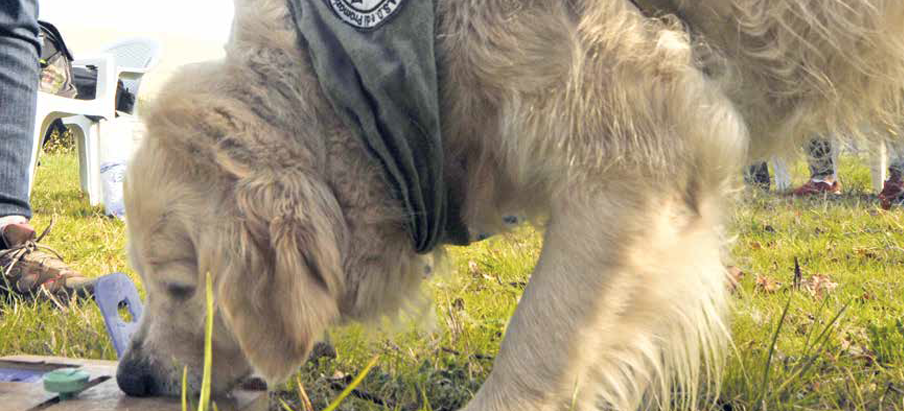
621	125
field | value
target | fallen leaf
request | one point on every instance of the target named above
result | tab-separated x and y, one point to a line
819	285
853	343
767	285
474	269
734	277
340	376
868	253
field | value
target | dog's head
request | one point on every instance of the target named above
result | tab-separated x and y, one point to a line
271	242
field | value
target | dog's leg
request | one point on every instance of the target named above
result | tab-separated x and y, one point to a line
623	310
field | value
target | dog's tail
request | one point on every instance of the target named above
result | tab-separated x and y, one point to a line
822	66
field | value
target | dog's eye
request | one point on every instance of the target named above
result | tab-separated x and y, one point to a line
180	291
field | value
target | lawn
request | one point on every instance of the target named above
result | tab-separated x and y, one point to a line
840	344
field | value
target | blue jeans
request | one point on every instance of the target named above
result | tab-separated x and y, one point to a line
19	74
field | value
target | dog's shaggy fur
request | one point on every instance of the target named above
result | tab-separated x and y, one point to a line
621	128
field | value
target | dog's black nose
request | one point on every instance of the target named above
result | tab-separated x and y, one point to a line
134	379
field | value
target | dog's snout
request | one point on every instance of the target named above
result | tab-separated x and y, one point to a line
135	378
136	385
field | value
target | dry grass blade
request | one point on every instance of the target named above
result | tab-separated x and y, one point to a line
184	388
770	356
303	395
204	401
348	390
820	341
574	396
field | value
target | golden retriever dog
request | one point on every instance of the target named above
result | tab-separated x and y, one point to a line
621	126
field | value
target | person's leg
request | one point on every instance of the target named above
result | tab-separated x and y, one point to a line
821	161
758	175
26	267
896	162
19	73
819	158
896	168
893	188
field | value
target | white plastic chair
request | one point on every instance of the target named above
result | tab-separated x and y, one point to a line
133	59
51	107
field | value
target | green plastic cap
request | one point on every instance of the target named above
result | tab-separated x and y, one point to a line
66	381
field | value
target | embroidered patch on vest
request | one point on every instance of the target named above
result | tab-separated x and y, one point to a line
365	14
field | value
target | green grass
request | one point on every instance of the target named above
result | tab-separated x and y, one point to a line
842	349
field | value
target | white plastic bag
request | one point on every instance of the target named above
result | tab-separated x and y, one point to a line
119	138
112	175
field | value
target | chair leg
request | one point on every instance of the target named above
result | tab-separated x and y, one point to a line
835	153
41	127
88	156
878	165
782	174
92	151
33	163
80	138
35	149
81	126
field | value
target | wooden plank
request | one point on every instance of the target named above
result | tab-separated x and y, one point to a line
58	361
108	397
105	395
16	396
25	396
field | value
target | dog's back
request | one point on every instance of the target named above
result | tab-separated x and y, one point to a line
797	67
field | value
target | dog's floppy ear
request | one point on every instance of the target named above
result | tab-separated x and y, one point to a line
282	276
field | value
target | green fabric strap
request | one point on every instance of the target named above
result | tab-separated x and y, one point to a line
382	82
